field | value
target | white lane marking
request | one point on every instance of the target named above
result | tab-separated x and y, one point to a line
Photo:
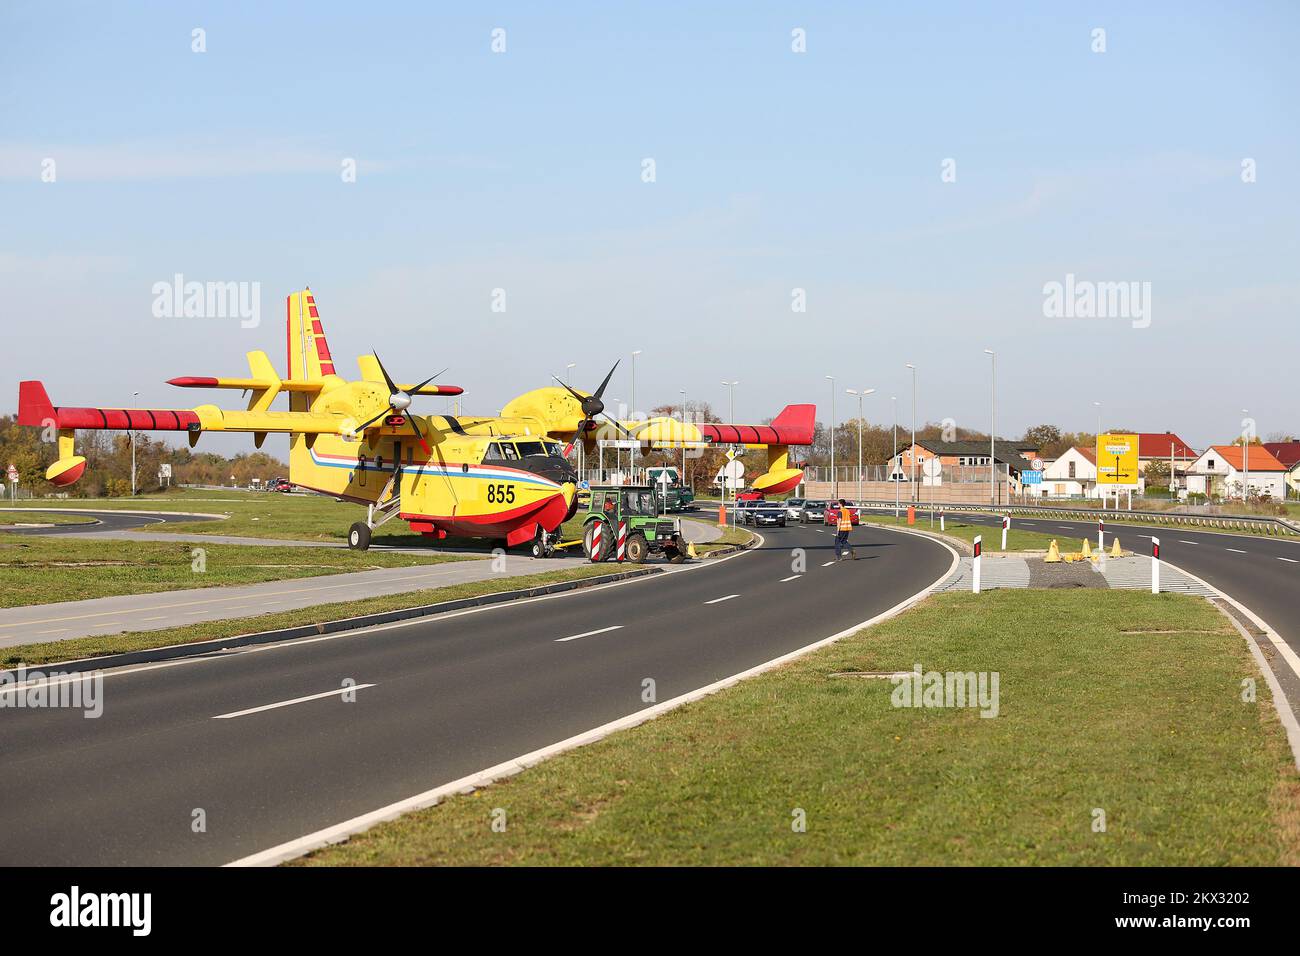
793	577
1185	541
296	643
157	618
574	637
1292	560
288	703
340	831
721	599
828	564
1235	550
1065	527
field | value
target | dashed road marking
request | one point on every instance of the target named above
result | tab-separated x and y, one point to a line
1235	550
1291	560
288	703
793	577
721	599
574	637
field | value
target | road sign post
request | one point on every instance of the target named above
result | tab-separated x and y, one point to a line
975	565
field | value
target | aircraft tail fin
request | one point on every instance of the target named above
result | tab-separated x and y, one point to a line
309	356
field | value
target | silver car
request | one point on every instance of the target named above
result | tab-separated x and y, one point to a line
812	511
794	508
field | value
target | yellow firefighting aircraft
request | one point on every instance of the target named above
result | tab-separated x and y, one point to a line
502	477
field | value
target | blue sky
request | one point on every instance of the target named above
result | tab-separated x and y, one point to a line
774	171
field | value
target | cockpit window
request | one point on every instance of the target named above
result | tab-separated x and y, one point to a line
499	451
527	448
555	449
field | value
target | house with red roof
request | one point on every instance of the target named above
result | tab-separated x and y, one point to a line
1223	471
1167	449
1288	453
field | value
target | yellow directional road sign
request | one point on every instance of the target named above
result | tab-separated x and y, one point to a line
1117	459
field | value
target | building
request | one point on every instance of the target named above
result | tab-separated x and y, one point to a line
1167	449
1073	475
1220	472
1288	453
965	463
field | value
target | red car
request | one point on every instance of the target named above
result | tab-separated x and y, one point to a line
832	515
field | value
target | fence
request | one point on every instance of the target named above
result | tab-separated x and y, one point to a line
948	474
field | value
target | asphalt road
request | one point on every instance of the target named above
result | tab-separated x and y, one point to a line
105	521
449	696
1262	573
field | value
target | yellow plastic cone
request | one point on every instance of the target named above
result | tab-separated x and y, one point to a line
1085	551
690	550
1053	554
1115	551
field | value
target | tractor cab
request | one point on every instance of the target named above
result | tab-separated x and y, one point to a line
637	512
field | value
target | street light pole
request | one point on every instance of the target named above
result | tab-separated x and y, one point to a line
861	395
634	355
568	372
131	435
993	425
835	489
683	391
912	452
731	417
1245	458
896	462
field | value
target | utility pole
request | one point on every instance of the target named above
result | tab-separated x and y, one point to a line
731	417
683	391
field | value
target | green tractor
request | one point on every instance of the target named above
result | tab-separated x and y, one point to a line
649	531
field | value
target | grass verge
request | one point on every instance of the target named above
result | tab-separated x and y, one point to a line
12	518
87	647
1112	701
1017	539
41	569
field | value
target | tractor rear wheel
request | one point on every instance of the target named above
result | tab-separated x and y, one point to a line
606	542
359	536
637	548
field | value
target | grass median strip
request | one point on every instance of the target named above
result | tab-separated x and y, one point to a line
1017	538
87	647
43	569
1113	708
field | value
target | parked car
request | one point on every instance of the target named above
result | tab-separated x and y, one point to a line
831	514
794	508
812	511
769	513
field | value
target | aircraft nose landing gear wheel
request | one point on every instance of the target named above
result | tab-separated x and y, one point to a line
359	536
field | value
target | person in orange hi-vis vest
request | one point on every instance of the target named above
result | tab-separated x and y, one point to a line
842	529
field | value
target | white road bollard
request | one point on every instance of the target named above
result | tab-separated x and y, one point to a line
622	540
1155	565
1006	524
1101	535
595	542
940	519
975	565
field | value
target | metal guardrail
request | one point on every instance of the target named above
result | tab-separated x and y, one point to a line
1276	527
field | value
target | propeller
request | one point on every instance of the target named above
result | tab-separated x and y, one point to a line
592	405
399	400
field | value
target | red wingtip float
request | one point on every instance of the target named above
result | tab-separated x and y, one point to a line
502	477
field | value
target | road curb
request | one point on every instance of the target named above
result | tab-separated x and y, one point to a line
217	645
